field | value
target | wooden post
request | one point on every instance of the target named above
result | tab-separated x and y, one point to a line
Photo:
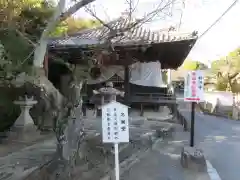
192	132
126	85
169	78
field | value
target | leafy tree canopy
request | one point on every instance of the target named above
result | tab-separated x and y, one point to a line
73	25
193	65
226	71
231	61
21	25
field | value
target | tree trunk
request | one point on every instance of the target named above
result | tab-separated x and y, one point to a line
229	82
41	48
69	131
58	16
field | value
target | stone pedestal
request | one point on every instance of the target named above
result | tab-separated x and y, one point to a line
24	128
193	159
24	118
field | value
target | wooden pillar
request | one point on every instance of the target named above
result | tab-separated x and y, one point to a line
126	85
169	78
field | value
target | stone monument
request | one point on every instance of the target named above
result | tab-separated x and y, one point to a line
24	127
108	94
24	119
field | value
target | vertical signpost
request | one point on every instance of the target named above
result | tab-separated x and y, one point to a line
193	92
115	127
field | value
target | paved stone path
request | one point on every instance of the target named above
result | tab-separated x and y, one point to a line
16	164
219	138
13	146
163	163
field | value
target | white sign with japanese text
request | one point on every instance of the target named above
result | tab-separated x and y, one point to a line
115	123
194	86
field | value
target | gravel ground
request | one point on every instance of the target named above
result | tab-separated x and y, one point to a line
15	165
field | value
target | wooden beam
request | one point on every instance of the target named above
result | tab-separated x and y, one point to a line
126	85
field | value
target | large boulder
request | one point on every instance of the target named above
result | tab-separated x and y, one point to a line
193	159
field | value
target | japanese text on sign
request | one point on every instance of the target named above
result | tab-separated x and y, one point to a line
115	123
194	87
108	115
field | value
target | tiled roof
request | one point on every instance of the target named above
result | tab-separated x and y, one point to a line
136	36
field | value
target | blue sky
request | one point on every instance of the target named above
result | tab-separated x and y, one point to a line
198	15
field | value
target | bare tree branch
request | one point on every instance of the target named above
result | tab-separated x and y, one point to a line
74	9
132	24
130	4
58	16
92	13
25	37
41	48
159	9
112	32
181	16
105	12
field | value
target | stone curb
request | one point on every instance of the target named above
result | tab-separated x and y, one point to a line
213	174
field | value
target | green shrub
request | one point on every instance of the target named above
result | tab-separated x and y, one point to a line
8	111
164	76
221	84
